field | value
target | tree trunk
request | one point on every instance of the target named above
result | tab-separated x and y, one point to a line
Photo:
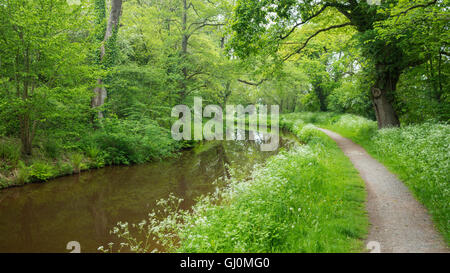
184	46
100	93
25	135
26	131
321	96
99	98
383	97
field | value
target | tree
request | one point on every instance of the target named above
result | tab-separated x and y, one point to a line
42	45
108	50
204	14
266	25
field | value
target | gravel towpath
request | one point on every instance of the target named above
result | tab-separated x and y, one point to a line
398	223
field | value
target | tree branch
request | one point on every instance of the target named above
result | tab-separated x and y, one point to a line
282	37
195	74
202	25
415	7
314	35
252	83
192	6
445	53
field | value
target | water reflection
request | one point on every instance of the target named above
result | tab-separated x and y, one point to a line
44	217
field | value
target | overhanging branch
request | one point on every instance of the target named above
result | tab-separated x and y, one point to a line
415	7
282	37
314	35
252	83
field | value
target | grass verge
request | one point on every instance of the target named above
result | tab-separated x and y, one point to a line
418	154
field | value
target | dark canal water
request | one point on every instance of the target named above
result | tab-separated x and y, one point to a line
44	217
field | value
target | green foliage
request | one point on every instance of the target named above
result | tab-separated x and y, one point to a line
76	161
419	100
348	98
9	153
379	44
129	141
41	171
52	148
419	155
130	95
64	168
22	173
49	39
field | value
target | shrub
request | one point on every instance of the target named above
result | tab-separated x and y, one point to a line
41	171
9	151
129	141
51	148
92	151
76	161
64	168
22	173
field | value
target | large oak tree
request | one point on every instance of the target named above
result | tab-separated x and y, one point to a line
265	25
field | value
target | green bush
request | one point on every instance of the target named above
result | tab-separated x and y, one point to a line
9	151
76	161
311	117
97	158
22	173
356	127
64	168
41	171
128	141
92	151
51	148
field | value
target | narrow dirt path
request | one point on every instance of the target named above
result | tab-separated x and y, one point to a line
398	222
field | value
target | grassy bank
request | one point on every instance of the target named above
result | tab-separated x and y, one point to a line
418	154
308	199
115	142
